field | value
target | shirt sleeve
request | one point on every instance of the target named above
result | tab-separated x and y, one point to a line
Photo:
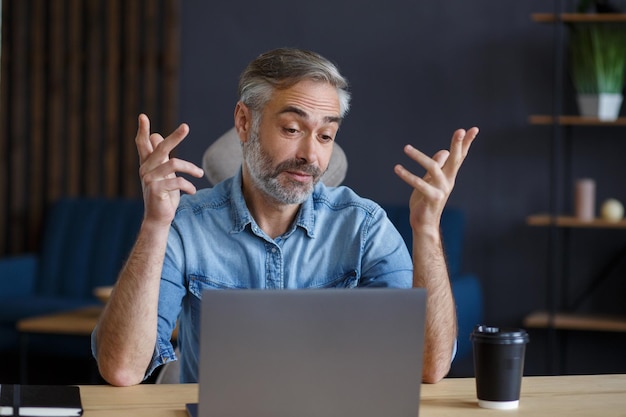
171	292
386	259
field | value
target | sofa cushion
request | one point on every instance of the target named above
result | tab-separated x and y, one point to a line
452	232
17	308
85	244
469	307
17	275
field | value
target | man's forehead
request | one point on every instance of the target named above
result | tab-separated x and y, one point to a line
304	115
307	99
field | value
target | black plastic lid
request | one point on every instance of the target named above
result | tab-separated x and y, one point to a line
499	335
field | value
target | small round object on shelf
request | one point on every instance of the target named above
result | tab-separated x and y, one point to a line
612	210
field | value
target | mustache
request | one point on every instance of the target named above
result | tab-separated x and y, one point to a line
295	164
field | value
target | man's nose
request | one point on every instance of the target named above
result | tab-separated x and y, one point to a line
308	149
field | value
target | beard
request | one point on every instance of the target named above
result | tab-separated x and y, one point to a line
265	175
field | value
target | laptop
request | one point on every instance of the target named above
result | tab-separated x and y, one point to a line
311	353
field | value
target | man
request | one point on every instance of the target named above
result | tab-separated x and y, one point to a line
273	225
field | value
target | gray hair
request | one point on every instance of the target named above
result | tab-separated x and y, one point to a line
283	68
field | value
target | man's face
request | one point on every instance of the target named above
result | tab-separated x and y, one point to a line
288	153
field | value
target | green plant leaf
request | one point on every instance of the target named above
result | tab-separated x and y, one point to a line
597	57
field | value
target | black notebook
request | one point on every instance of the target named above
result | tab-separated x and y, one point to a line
40	400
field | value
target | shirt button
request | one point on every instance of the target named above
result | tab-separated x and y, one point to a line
273	250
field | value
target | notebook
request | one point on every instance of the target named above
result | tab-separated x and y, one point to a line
40	400
311	353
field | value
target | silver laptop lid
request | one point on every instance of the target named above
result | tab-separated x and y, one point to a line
317	353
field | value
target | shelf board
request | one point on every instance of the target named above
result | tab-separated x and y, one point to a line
578	17
571	221
574	321
575	121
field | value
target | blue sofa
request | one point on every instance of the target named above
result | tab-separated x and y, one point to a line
84	244
465	286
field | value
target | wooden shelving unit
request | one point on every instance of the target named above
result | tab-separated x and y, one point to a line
578	17
571	221
574	121
573	321
554	318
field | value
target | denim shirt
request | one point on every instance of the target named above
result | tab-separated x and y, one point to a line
338	239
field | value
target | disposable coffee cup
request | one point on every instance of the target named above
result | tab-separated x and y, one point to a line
498	365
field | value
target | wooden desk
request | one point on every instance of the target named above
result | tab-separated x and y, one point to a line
78	322
147	400
595	395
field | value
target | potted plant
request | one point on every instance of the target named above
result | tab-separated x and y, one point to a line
600	6
597	66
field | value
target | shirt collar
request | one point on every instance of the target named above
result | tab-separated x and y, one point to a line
242	217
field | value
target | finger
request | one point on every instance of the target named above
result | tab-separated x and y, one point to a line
421	158
434	184
142	139
172	185
163	147
180	166
170	168
459	148
419	184
441	157
468	139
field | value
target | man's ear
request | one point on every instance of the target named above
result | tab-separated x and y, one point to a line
243	121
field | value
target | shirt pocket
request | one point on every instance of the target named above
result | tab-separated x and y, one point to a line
346	280
197	284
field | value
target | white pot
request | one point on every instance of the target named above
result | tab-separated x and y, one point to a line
604	106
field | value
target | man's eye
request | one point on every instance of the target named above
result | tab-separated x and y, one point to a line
291	130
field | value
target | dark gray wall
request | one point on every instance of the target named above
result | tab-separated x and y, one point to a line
418	71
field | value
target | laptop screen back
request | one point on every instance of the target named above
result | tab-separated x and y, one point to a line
317	353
